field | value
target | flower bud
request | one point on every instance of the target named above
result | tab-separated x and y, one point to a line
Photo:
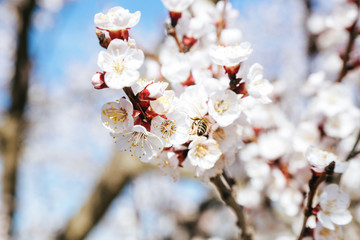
97	81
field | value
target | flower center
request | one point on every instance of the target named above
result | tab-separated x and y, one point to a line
168	128
117	115
331	206
164	100
221	106
119	66
325	232
136	138
201	150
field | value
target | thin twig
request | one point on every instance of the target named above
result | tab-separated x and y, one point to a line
314	182
311	41
218	34
353	33
229	180
172	32
353	151
135	101
222	24
226	196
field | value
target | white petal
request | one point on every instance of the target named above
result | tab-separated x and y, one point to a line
134	59
341	218
325	220
118	47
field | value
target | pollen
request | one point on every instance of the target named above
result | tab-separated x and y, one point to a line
137	138
331	206
221	106
116	114
325	232
163	100
168	128
119	66
201	151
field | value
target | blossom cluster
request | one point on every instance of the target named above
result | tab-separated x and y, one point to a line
192	111
201	105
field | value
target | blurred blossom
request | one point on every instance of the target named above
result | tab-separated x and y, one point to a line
268	148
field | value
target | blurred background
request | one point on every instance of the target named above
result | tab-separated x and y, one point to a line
61	148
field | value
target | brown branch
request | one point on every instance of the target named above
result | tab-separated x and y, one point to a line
311	41
221	25
353	33
314	182
136	103
226	196
152	56
120	171
12	131
353	151
172	32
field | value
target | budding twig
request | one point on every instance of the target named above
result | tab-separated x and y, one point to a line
222	24
353	151
313	185
172	32
226	196
135	101
353	33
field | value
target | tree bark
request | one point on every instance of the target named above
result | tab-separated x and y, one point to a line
120	171
12	130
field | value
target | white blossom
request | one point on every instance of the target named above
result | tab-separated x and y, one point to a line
344	16
226	137
230	56
164	104
168	164
156	89
258	87
230	13
194	101
224	107
177	5
120	62
203	152
342	124
319	160
140	84
138	142
306	134
176	68
192	26
334	205
323	233
230	36
117	18
272	145
174	130
117	116
333	100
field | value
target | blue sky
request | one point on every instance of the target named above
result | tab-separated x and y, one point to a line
72	37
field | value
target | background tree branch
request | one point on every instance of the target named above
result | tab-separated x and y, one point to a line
226	196
119	172
12	130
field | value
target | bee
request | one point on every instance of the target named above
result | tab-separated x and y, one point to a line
199	126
